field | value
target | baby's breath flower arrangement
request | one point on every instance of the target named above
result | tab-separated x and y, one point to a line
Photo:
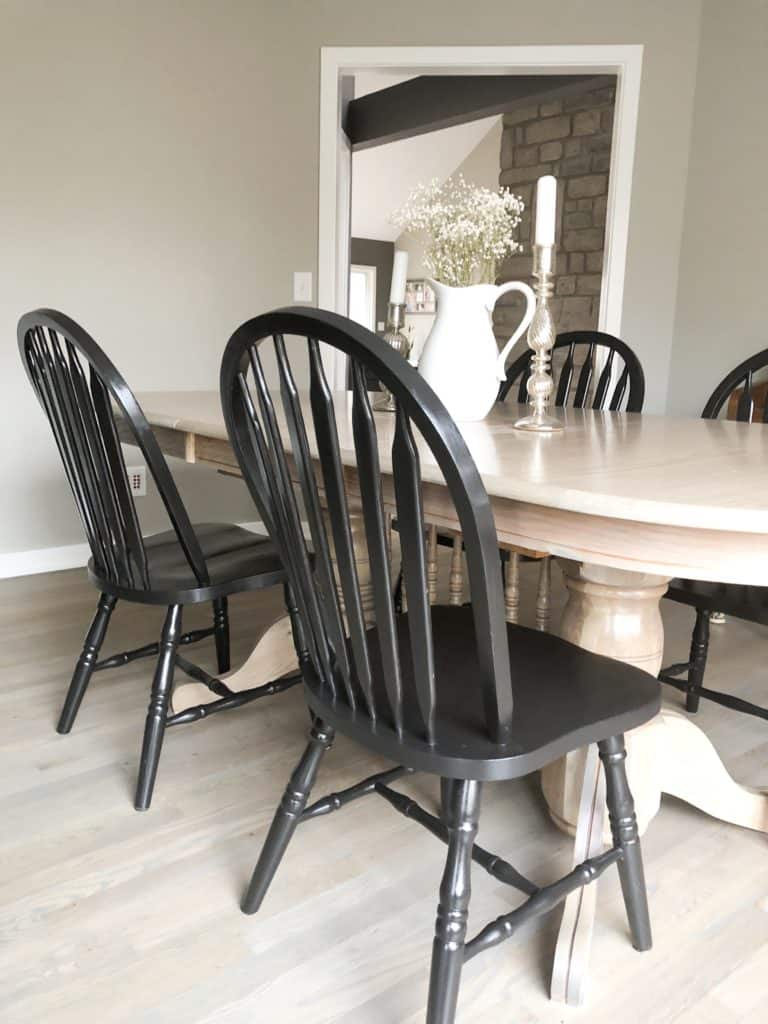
469	227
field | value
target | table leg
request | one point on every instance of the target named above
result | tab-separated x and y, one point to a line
617	613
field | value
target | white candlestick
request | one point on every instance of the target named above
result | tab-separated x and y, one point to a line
546	207
399	275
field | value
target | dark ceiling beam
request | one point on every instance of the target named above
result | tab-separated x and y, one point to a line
431	102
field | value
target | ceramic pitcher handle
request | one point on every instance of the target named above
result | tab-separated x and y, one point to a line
522	327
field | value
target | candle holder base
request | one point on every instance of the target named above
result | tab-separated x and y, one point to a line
401	343
539	423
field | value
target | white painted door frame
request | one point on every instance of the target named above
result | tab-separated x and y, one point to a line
335	156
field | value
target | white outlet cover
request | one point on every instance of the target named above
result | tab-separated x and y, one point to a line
302	286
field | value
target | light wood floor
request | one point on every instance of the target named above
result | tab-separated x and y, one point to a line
107	915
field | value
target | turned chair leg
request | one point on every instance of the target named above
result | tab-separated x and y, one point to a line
287	816
544	594
86	662
432	570
697	660
512	587
461	813
621	814
221	633
157	712
456	575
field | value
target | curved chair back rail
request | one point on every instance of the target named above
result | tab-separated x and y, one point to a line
275	437
78	387
740	378
620	378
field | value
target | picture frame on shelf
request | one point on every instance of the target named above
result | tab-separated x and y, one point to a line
419	297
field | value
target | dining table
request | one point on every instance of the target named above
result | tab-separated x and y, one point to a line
625	502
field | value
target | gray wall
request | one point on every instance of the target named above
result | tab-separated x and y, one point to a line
371	252
160	173
722	310
134	184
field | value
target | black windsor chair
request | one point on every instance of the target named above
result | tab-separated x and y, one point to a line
80	390
609	373
744	400
454	691
592	370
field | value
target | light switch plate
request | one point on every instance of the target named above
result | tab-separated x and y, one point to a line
302	286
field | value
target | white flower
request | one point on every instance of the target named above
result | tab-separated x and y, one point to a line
470	228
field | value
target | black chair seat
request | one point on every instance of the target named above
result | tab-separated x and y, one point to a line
565	697
237	560
744	602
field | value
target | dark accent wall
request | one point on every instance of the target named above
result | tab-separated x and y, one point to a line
570	138
370	252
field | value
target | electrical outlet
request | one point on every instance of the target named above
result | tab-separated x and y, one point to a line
137	480
302	286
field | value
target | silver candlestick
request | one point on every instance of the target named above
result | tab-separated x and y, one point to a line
400	342
541	338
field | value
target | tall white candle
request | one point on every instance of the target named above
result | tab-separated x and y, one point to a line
399	275
546	207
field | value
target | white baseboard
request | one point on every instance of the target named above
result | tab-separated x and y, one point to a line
28	563
70	556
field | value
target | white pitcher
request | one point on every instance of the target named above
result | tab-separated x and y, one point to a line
460	359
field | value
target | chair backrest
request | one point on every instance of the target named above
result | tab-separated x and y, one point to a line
609	373
78	388
747	400
298	452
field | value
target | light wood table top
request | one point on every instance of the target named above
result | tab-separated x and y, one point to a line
675	474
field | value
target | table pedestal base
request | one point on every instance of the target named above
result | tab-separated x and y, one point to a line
273	656
617	613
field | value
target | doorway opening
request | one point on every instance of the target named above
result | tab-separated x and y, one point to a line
393	117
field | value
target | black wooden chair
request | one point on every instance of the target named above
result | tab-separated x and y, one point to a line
453	691
609	373
80	390
745	401
591	370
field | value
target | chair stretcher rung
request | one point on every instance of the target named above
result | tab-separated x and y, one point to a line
149	650
679	684
726	700
201	676
541	902
494	865
335	801
675	670
233	700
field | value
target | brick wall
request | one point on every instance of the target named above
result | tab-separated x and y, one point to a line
570	138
